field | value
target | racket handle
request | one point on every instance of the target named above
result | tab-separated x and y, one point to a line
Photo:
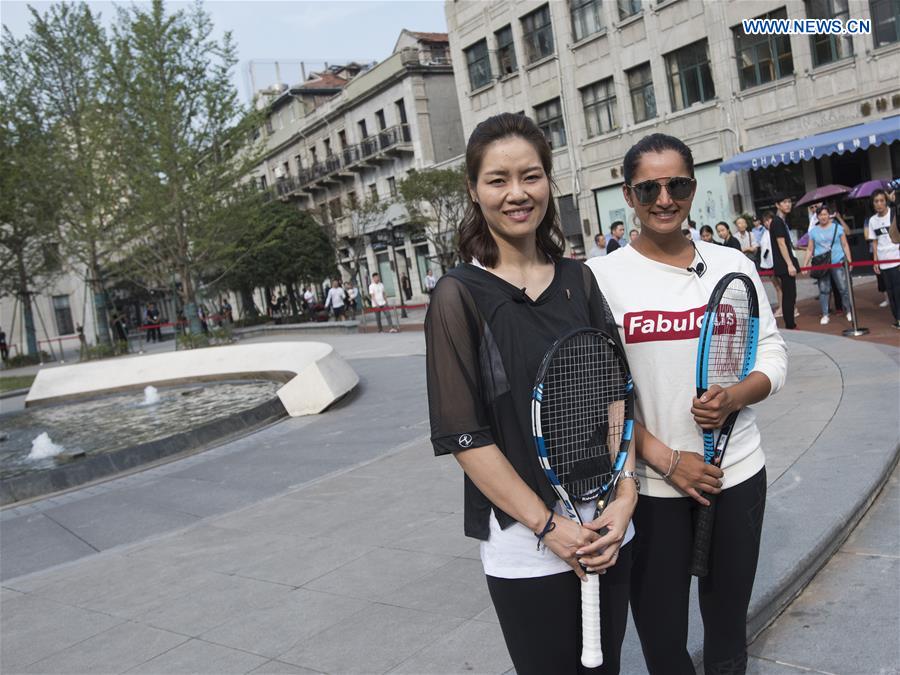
591	650
704	517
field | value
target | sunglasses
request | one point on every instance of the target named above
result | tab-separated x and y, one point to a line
678	188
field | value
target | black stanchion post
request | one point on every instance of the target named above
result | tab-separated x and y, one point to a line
855	331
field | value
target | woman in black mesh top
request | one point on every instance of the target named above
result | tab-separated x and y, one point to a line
490	322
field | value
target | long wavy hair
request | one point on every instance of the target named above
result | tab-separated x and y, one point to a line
475	240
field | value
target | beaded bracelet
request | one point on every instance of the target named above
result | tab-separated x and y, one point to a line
548	528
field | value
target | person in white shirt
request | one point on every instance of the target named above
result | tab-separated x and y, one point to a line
309	298
430	282
352	293
658	289
376	292
878	230
599	247
335	300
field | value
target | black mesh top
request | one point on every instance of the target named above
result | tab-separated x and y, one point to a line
485	341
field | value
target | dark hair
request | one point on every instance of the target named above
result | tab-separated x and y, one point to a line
686	232
823	208
781	196
655	143
706	228
616	224
475	240
722	222
598	238
767	215
879	192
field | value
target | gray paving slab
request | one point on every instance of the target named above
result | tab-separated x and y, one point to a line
447	591
212	602
473	647
37	541
113	651
278	629
33	628
373	641
197	656
275	667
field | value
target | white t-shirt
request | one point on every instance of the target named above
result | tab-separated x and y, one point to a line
430	282
766	261
513	554
658	309
376	291
335	298
309	296
352	292
879	231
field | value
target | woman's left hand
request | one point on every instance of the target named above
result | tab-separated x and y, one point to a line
711	409
604	552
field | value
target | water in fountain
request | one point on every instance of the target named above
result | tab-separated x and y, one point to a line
43	447
151	395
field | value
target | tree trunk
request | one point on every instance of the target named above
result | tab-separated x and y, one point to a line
189	301
101	318
249	309
27	315
292	298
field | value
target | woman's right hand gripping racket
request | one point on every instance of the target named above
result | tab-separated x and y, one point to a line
581	415
725	355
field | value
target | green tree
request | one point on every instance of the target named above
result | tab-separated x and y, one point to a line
67	57
436	200
352	233
184	138
27	206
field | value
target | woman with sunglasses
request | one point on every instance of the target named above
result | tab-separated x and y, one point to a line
489	324
657	289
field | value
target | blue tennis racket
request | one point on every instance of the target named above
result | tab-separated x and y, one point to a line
581	415
726	354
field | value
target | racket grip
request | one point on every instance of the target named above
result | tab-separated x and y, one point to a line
591	649
704	517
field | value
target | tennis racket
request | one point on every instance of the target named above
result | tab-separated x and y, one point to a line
581	415
725	355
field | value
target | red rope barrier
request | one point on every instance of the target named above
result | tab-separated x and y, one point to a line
861	263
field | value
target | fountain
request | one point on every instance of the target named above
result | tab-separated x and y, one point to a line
115	416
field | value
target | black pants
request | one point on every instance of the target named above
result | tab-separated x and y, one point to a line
660	581
891	279
788	298
541	620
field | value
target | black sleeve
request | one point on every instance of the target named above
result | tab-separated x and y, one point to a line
611	246
456	408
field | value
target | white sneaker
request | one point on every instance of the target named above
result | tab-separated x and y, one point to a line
883	303
824	320
849	317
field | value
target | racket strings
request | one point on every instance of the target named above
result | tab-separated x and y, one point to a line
729	341
583	413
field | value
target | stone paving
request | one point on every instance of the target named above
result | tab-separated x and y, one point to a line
334	544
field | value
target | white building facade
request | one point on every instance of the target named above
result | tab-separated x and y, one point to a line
334	144
598	75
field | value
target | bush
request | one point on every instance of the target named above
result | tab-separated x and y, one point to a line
20	360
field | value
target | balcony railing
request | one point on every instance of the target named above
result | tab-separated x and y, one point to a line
392	139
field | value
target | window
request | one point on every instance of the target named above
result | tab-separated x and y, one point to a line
363	132
885	21
285	169
690	80
828	48
313	156
263	183
323	213
628	8
299	160
587	18
373	192
392	186
342	139
506	51
269	128
643	100
401	111
382	123
63	312
550	120
352	203
763	58
479	64
599	101
538	34
334	206
327	147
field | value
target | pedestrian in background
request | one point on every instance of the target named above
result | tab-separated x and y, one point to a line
878	231
706	234
599	247
785	262
379	302
744	237
4	350
725	235
828	242
335	300
617	237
